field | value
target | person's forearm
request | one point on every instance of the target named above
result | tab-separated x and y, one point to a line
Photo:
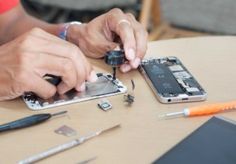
17	22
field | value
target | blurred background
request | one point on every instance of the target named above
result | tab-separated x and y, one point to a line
164	19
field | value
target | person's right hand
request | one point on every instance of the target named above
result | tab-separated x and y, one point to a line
25	60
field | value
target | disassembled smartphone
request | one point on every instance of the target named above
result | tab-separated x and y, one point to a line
171	81
105	86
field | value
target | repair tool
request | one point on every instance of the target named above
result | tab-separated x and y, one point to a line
202	110
65	146
28	121
115	58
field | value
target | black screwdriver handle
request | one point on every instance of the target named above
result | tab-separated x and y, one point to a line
25	122
115	58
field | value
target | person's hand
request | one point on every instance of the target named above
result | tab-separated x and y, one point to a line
25	60
98	36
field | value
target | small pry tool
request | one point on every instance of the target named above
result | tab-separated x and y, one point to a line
202	110
65	146
115	58
28	121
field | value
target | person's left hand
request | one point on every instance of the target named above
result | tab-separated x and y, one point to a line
99	36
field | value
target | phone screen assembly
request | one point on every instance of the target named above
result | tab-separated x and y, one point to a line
171	81
105	86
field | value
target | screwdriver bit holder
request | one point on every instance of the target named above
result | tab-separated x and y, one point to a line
115	58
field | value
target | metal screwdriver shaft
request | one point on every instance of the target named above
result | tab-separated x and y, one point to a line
58	113
114	73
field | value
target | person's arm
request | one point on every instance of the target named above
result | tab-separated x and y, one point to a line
94	38
99	36
25	60
16	22
28	52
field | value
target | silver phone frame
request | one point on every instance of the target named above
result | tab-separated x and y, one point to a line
37	106
170	100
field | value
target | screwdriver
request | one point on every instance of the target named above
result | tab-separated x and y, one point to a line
115	58
202	110
28	121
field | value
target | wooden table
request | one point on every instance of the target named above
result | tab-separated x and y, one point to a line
143	137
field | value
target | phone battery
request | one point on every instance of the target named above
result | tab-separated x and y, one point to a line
162	78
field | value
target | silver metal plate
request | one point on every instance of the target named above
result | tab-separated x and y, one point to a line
66	131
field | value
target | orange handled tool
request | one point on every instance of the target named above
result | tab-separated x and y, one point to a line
203	110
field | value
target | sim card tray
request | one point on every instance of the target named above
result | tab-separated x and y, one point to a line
105	105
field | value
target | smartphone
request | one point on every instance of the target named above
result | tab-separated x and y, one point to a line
105	86
170	81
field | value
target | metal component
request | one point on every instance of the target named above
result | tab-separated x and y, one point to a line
105	86
65	146
87	161
133	85
104	104
59	113
114	73
66	131
176	68
129	98
109	129
172	115
171	81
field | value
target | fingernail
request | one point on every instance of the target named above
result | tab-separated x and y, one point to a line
93	77
82	87
125	68
136	62
131	54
